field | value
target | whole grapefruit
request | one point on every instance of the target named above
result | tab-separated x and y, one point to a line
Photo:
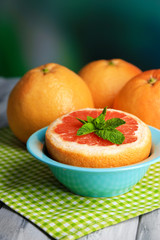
42	95
105	78
141	97
90	150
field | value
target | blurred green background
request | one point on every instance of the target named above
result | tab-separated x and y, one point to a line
75	32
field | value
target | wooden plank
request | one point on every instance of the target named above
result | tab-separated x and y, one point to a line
149	226
15	227
5	88
124	230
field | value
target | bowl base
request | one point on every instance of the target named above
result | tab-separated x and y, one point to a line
104	194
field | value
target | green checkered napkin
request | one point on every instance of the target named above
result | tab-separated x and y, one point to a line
28	187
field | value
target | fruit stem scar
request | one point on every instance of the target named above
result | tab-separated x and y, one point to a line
111	63
152	80
45	70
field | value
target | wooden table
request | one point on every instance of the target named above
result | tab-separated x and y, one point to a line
15	227
146	227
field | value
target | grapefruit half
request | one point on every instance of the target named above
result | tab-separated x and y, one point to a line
64	145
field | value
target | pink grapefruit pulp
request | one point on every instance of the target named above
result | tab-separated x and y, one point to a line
70	125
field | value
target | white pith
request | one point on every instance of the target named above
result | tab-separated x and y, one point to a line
142	136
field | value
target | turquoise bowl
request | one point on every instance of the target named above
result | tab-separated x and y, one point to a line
95	182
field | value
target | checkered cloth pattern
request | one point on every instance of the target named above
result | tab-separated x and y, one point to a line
28	187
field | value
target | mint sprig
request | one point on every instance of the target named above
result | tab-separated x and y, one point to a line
102	128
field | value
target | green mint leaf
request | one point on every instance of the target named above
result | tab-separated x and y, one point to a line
82	121
90	119
86	129
112	135
104	129
114	122
99	122
104	111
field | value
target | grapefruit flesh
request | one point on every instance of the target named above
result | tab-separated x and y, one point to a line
64	145
70	125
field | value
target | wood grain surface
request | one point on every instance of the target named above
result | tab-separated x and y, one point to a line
146	227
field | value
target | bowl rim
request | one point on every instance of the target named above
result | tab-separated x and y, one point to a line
35	140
